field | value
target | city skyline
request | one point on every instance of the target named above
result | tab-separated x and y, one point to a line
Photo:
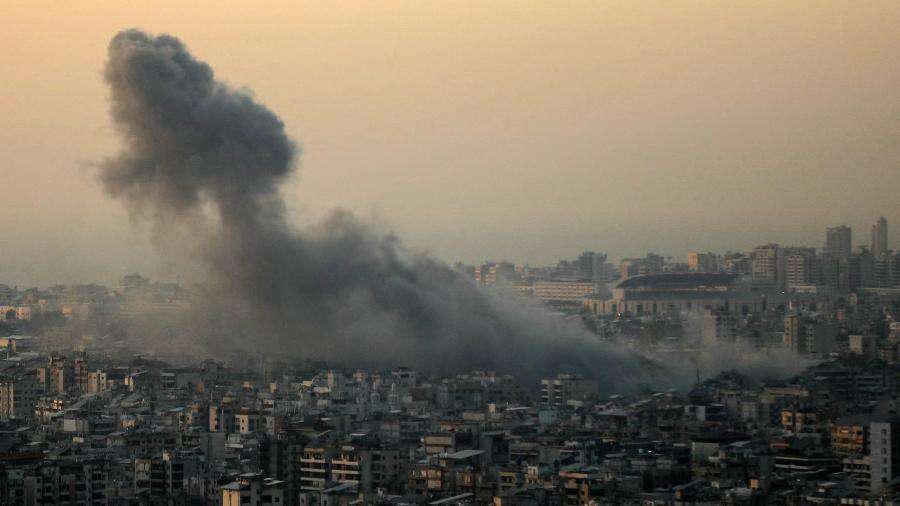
857	244
504	253
878	244
514	131
791	265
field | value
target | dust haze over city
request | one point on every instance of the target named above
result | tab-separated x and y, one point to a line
460	237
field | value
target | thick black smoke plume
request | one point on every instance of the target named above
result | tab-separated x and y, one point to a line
202	156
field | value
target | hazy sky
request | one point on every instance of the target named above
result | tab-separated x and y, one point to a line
521	130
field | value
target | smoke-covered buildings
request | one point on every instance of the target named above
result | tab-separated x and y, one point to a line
558	293
87	421
681	293
567	388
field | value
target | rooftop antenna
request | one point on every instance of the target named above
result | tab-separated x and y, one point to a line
697	369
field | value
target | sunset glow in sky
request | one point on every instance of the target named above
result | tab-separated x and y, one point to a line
516	130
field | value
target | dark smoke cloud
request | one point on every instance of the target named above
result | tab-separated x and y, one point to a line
202	156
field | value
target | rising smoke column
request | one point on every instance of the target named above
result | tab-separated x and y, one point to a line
201	156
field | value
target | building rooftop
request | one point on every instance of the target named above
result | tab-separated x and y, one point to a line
463	454
454	499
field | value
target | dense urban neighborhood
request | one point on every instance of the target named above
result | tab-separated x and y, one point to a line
92	416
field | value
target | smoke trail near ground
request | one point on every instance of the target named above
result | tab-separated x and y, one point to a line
202	157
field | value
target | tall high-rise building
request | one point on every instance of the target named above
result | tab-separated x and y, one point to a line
862	269
869	447
591	266
839	242
585	265
880	237
800	267
837	272
887	270
767	265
